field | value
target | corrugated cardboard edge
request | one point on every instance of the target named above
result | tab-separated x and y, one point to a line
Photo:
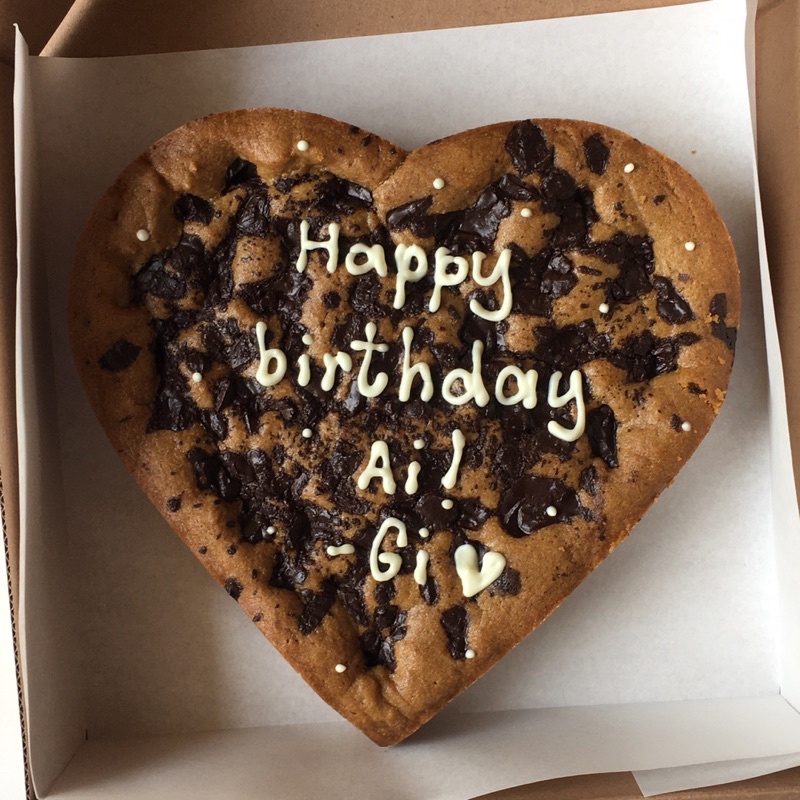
778	79
9	483
91	28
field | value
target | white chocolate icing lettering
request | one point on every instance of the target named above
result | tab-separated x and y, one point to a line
499	272
366	388
266	357
304	369
412	484
331	245
392	561
472	382
341	550
375	259
421	568
331	361
410	372
403	256
451	476
556	400
526	386
474	580
380	466
443	277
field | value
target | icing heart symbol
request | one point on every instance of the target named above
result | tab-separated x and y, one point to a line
401	404
474	580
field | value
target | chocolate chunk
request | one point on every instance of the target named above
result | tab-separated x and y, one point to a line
120	356
337	197
455	622
601	429
316	606
718	309
240	172
514	188
429	591
524	507
173	504
286	573
252	218
588	480
377	650
596	152
410	215
475	228
671	305
191	208
645	356
529	149
509	583
234	588
572	346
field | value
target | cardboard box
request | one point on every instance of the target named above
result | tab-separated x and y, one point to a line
79	36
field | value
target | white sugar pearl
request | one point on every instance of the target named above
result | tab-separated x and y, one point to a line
686	426
419	444
340	668
603	308
447	503
142	235
307	338
551	511
526	212
302	145
271	529
424	533
438	183
470	653
628	168
307	433
690	246
197	377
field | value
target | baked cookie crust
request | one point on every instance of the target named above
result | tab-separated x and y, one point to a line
401	404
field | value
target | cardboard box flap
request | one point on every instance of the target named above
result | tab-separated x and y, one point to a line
92	27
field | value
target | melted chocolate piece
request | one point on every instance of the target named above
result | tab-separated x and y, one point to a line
409	216
120	356
529	149
455	622
191	208
718	309
523	507
317	606
240	172
234	588
645	356
671	306
601	428
173	504
596	152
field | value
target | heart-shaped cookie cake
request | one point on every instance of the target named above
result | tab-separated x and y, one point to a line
401	404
